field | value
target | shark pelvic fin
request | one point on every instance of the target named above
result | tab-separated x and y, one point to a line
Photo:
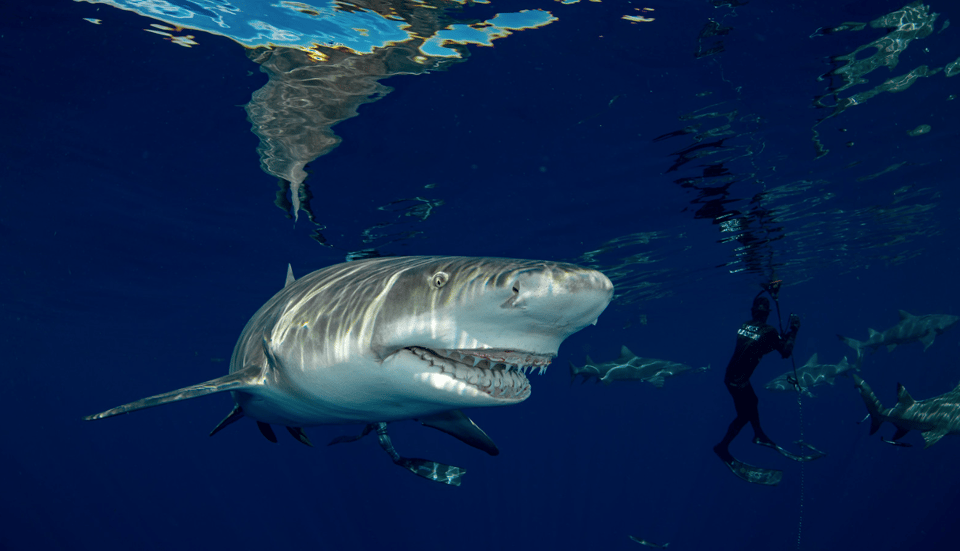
901	432
244	379
458	425
267	431
231	417
298	433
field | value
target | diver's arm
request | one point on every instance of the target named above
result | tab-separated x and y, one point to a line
788	339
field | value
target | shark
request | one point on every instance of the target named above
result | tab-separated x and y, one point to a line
934	417
630	367
813	373
396	338
909	329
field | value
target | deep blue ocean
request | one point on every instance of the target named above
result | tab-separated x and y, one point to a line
692	153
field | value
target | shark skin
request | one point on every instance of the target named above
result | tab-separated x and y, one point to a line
630	367
934	417
909	329
388	339
811	374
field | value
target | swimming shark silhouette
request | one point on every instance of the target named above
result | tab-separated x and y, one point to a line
630	367
388	339
813	373
909	329
934	417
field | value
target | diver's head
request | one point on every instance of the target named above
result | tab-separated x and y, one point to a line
760	309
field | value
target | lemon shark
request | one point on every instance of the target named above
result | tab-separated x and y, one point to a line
909	329
630	367
813	373
388	339
934	417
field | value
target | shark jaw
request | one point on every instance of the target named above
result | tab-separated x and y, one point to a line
499	374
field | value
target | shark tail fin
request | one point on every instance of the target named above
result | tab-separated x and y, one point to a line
855	344
239	380
870	399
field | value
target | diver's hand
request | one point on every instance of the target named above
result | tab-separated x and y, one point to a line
794	323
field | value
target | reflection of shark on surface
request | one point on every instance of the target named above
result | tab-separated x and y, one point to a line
630	367
812	374
649	543
909	329
934	417
388	339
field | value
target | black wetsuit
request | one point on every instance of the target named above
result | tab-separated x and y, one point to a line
754	340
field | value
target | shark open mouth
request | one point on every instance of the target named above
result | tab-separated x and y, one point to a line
499	373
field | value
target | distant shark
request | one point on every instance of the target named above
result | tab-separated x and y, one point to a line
910	329
630	367
934	417
388	339
812	374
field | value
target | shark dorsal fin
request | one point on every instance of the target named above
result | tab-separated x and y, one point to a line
903	397
905	315
872	332
290	278
590	360
812	361
625	352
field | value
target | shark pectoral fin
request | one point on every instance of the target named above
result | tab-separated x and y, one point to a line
231	418
931	437
657	381
246	378
927	339
267	431
458	425
298	433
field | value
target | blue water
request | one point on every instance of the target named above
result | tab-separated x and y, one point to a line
139	234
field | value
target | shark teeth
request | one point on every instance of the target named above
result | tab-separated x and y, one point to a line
499	373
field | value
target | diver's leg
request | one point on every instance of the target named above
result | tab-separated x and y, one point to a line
752	413
740	421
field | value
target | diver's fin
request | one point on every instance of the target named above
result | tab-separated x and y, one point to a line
458	425
431	470
298	433
756	475
814	452
267	431
231	418
238	380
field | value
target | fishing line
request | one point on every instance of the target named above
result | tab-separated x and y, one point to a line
796	384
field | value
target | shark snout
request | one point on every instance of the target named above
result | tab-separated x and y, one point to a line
570	293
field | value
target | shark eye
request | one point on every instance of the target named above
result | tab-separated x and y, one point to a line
516	288
440	279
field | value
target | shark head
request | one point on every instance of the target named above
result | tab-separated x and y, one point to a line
395	338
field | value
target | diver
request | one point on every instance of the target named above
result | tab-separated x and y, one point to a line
755	338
